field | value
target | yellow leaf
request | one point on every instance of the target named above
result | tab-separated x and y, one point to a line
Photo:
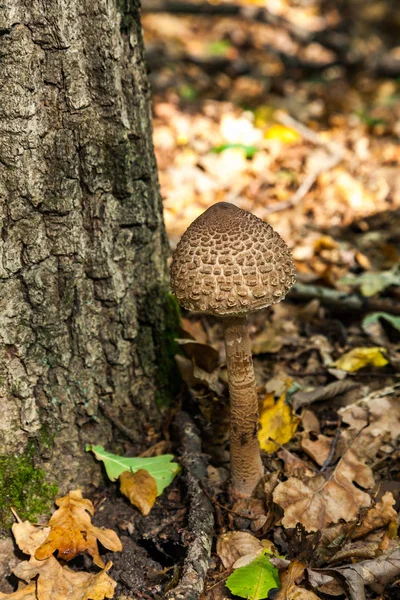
72	532
278	422
141	489
361	357
27	592
282	134
263	115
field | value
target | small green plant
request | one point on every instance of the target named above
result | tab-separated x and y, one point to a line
255	580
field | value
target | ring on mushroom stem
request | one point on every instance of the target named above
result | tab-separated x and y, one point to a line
230	263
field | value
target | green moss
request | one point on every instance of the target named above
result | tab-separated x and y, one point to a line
168	377
45	439
24	488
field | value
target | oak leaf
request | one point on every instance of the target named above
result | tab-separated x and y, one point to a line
73	533
140	488
289	580
350	467
29	537
319	502
58	582
26	592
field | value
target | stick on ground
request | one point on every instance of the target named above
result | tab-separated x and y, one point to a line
201	518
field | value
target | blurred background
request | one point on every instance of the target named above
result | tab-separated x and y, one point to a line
289	109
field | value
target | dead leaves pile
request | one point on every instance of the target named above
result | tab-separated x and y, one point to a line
69	533
339	526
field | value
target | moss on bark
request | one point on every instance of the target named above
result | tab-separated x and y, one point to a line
24	488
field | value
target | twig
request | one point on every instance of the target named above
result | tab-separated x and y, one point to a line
223	578
169	521
331	451
201	518
342	301
229	510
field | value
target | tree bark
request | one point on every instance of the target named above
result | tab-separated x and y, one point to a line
84	304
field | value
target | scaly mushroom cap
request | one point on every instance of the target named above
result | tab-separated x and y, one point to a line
229	262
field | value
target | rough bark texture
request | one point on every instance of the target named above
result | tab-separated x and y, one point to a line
83	280
246	466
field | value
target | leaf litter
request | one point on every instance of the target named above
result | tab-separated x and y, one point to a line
218	136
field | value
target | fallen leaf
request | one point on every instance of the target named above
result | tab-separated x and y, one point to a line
289	580
294	465
160	467
357	358
233	545
277	422
282	134
375	317
378	516
318	502
323	392
72	532
351	465
267	343
59	583
29	537
373	421
140	488
376	573
255	580
26	592
373	283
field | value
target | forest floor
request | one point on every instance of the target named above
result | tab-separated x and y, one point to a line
293	113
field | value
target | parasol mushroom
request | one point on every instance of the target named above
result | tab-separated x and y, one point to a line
230	263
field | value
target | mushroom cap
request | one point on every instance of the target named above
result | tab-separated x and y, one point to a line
230	262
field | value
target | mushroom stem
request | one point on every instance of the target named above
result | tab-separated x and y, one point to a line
246	466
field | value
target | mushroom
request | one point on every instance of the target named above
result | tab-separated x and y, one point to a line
230	263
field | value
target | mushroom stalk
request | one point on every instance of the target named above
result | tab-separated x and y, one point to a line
246	466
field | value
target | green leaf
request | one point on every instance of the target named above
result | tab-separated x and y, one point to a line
160	467
255	580
187	92
370	121
373	283
249	150
374	318
219	47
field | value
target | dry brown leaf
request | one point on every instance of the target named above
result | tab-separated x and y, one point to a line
373	421
319	502
322	392
140	488
376	573
29	537
350	465
378	516
59	583
26	592
289	580
294	465
73	533
233	545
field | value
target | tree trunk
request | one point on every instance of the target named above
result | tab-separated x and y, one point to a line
84	305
